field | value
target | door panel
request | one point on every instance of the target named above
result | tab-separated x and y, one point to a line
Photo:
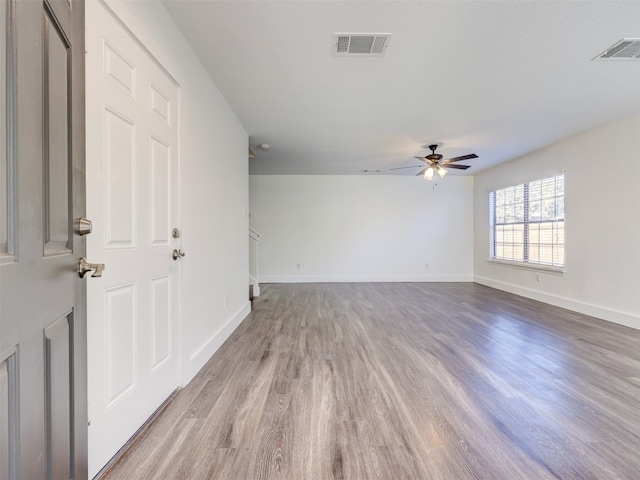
9	415
57	194
42	298
118	69
120	168
160	180
120	341
161	347
7	163
4	217
133	133
58	339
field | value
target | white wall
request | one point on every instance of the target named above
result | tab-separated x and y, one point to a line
602	208
214	192
362	228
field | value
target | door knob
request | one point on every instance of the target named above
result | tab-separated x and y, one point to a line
85	267
176	254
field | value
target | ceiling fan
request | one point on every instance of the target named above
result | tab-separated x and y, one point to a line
436	164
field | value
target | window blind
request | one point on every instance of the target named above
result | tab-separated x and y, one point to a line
527	222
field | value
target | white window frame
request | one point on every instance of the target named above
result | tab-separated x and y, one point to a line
526	221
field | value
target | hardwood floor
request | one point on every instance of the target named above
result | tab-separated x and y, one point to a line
403	381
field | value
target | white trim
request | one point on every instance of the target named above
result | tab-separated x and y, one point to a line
363	278
528	266
610	315
201	356
256	286
254	240
253	234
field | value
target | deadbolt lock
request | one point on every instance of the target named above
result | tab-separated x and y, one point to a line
83	226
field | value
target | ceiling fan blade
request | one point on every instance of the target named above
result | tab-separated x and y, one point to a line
463	157
459	167
400	168
421	158
421	172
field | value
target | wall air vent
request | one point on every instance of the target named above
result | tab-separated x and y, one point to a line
360	44
625	49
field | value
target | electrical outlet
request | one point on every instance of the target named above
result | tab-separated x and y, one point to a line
426	266
298	266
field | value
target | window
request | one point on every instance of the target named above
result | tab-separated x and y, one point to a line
527	223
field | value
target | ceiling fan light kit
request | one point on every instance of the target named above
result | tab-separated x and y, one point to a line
428	174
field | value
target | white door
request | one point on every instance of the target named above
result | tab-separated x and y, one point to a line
132	198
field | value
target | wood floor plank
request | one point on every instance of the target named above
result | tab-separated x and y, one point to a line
403	381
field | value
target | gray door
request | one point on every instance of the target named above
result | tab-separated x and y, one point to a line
42	298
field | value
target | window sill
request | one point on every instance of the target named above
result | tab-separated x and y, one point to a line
528	266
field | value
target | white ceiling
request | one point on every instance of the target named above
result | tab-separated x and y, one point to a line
495	78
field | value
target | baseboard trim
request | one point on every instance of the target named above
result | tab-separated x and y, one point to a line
614	316
201	356
364	278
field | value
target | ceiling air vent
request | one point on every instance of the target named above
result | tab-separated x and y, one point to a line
360	44
625	49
